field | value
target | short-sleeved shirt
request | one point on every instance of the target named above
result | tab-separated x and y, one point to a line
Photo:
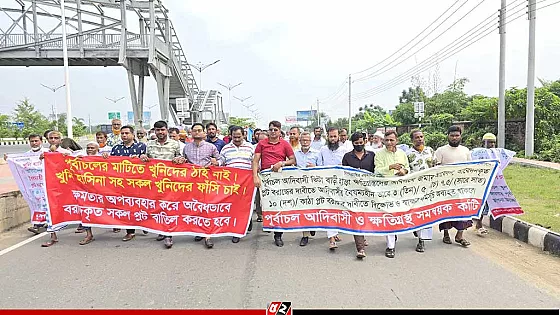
166	151
200	154
420	160
272	153
114	139
237	156
328	157
311	156
218	143
136	149
449	155
367	162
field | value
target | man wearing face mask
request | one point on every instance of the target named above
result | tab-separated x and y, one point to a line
361	159
449	154
391	162
332	154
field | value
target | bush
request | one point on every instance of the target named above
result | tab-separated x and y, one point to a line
550	150
435	139
405	139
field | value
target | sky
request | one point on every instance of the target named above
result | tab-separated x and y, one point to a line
288	54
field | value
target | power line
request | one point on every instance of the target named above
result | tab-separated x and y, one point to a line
340	88
415	37
465	38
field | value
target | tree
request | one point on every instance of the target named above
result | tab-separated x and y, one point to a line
481	108
4	126
34	122
404	114
451	101
242	122
79	127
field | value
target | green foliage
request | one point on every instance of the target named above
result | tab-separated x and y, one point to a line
481	108
404	114
339	123
435	139
34	122
405	139
242	122
550	150
4	126
441	121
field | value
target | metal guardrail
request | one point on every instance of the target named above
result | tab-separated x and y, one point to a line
54	41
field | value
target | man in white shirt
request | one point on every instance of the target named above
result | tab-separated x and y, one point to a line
332	154
344	142
375	142
449	154
318	142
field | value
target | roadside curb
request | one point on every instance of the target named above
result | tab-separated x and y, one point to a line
528	233
13	142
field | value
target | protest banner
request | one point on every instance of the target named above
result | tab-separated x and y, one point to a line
156	196
358	202
501	200
27	170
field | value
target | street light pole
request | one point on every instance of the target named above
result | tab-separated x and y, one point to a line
66	71
230	87
54	109
201	67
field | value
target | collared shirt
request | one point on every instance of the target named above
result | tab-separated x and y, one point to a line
272	153
317	145
449	155
106	148
166	151
370	146
302	159
420	160
296	147
135	149
200	154
348	146
384	158
114	139
237	156
41	149
367	162
218	143
328	157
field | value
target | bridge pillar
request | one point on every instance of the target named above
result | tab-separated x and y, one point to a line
137	99
163	94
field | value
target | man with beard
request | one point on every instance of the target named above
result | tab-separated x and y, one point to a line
306	157
391	162
201	153
332	154
212	137
272	153
375	141
114	138
449	154
174	133
318	141
294	138
420	158
127	147
347	144
256	133
164	148
361	159
238	154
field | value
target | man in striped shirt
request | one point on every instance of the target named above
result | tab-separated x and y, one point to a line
239	154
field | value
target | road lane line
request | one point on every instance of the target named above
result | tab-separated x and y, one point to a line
20	244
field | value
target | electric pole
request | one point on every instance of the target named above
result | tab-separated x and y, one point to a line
349	103
318	114
502	79
230	87
530	115
200	67
53	107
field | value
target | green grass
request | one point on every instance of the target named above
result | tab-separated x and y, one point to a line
538	192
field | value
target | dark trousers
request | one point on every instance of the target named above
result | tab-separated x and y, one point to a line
130	231
258	205
278	234
359	240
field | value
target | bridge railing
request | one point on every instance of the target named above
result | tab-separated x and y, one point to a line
54	41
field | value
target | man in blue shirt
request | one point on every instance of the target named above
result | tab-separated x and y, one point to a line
212	136
130	148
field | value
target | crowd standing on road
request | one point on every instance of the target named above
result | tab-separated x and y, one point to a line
270	149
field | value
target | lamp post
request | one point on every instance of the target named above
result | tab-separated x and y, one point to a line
230	87
54	109
66	71
201	67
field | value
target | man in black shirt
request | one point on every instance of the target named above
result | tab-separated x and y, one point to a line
362	159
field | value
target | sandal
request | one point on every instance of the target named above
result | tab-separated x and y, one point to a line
361	254
49	243
79	230
332	245
337	238
447	239
463	242
86	241
482	231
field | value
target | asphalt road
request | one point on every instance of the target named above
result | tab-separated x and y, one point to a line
20	148
495	272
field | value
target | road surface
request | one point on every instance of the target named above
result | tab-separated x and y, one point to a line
495	272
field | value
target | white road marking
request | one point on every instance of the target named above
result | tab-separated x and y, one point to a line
20	244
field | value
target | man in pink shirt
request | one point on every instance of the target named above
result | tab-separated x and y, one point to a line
272	153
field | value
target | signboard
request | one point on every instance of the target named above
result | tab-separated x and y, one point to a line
306	115
18	124
114	115
418	109
182	104
146	117
291	119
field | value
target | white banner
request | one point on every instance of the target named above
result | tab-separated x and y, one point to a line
27	170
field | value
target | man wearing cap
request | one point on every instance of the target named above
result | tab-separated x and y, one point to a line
375	141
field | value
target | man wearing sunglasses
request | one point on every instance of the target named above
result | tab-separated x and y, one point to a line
272	153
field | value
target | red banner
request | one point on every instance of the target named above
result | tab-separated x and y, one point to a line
157	196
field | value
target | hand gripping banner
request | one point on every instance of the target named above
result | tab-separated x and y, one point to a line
358	202
157	196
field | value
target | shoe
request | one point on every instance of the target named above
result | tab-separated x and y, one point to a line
198	238
337	238
168	242
160	237
333	246
415	234
259	219
34	230
208	242
278	241
128	237
312	233
145	232
361	254
420	246
116	230
235	239
304	241
390	253
250	228
366	243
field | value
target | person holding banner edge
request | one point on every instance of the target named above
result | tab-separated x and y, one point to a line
389	162
272	153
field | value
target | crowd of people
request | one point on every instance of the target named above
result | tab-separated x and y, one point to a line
272	149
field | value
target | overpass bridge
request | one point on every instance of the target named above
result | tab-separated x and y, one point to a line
100	33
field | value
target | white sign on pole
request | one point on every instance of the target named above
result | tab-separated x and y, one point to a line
182	104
